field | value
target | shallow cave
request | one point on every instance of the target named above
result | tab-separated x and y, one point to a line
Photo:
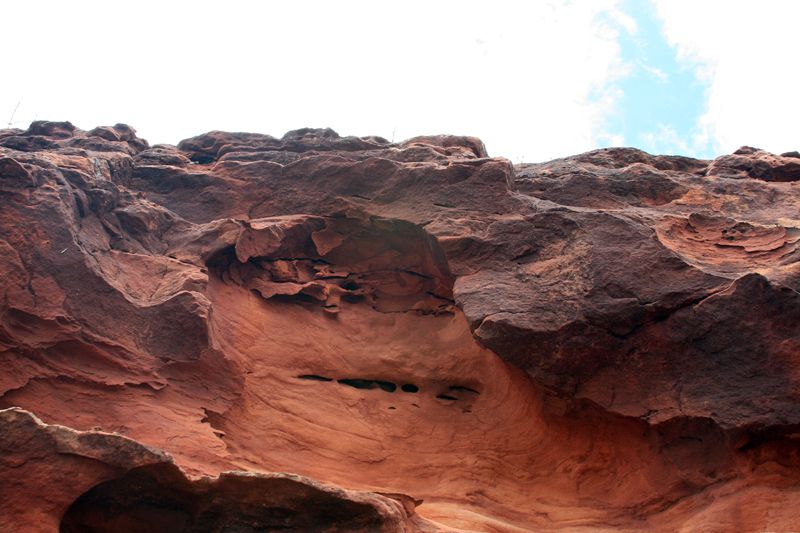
159	499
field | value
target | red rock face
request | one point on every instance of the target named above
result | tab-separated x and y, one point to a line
325	333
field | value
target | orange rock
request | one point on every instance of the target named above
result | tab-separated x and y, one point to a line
218	334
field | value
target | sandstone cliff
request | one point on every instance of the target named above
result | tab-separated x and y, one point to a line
325	333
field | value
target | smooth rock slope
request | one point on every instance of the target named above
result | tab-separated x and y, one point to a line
325	333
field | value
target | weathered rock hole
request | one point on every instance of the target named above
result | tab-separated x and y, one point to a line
446	397
359	383
407	271
202	159
409	387
314	377
216	421
350	286
387	386
462	388
293	298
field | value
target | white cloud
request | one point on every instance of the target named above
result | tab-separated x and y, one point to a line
666	140
533	79
747	52
657	73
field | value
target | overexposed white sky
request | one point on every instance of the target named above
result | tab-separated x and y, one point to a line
535	80
749	54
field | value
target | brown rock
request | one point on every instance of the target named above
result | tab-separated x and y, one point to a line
53	478
59	130
603	342
14	174
747	162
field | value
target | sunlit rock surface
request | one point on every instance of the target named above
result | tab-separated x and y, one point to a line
325	333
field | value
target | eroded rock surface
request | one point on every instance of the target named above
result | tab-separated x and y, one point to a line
235	325
107	482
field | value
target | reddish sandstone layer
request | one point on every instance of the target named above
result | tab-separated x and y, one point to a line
605	342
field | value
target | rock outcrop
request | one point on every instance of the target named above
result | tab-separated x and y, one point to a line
325	333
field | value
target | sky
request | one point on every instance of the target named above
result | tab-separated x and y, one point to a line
535	80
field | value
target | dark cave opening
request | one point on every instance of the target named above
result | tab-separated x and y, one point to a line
160	499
